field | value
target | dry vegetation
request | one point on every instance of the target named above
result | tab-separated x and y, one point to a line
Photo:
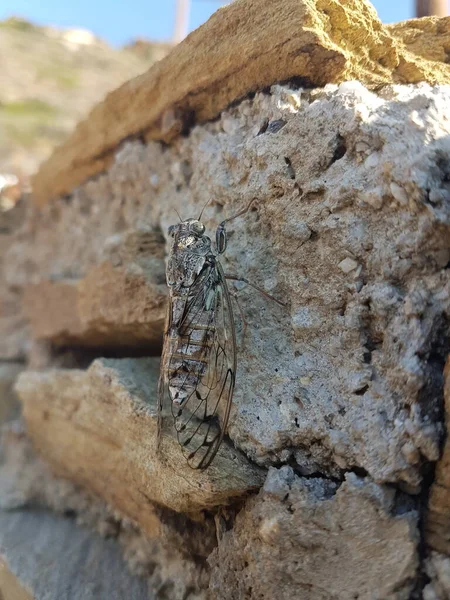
49	80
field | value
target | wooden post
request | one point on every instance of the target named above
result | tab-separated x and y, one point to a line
425	8
181	28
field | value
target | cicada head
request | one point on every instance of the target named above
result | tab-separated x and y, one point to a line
187	228
189	235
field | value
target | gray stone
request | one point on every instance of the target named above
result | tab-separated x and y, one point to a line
87	423
53	558
310	539
9	403
171	560
438	570
344	376
351	230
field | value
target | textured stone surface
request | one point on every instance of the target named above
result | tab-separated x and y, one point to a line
10	587
438	516
245	47
14	334
98	428
339	394
354	240
9	404
110	307
427	37
329	542
172	561
351	229
119	301
13	327
63	561
438	571
347	377
327	539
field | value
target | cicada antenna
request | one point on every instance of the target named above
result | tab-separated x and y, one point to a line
178	214
241	212
201	213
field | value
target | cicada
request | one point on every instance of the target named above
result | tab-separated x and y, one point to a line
198	364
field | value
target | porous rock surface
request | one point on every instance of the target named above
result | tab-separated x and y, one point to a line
351	229
88	424
169	565
438	515
92	567
438	571
322	550
243	48
352	239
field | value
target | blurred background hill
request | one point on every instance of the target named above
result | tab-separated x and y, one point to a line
50	78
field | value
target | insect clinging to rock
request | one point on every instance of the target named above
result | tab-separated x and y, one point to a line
198	363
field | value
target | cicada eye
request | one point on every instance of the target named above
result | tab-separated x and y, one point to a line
171	230
197	227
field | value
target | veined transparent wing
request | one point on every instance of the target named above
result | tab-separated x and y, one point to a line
199	365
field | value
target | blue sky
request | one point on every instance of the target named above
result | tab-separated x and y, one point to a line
118	21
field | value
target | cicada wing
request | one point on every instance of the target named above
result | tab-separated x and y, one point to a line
207	329
162	382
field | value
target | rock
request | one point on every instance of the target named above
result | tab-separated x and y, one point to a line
44	556
10	587
110	307
349	229
349	374
246	47
118	302
347	265
172	559
14	333
438	514
9	404
329	542
98	429
427	37
438	571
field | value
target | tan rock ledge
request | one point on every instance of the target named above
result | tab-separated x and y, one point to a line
98	427
110	306
244	47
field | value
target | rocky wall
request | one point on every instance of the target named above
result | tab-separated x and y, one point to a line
320	489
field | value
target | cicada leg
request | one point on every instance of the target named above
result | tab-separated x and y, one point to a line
221	233
235	297
260	290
